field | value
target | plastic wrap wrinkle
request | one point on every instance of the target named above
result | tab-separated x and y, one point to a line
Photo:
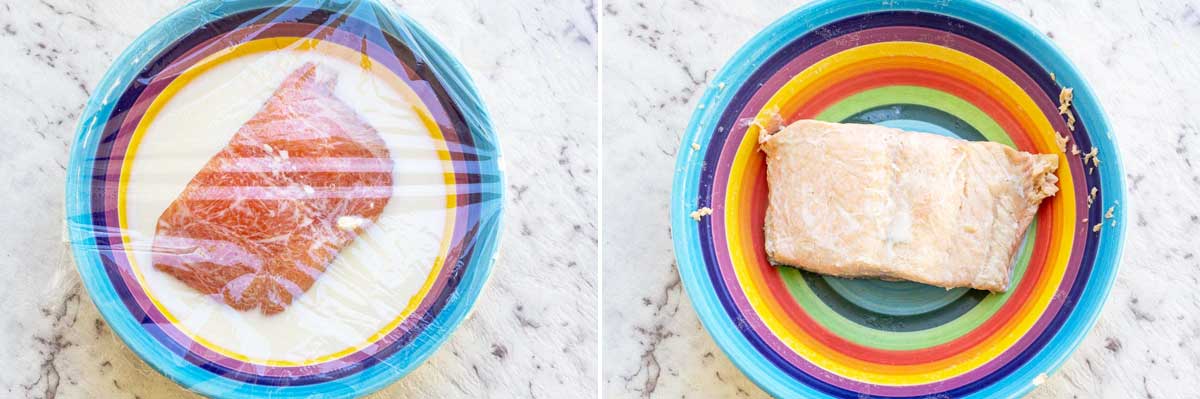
241	235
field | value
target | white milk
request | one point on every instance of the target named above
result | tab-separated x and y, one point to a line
371	281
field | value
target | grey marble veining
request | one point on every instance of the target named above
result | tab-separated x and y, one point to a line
1140	57
532	333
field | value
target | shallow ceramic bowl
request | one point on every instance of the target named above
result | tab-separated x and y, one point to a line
961	69
102	154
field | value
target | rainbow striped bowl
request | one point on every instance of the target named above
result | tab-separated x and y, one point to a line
206	32
962	69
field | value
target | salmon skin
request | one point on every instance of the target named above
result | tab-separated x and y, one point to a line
267	214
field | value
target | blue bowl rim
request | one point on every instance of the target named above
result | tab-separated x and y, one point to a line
684	198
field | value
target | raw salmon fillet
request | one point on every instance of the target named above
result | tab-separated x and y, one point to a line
856	200
266	215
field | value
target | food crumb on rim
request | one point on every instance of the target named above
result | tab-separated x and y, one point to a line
1061	141
1064	99
1064	103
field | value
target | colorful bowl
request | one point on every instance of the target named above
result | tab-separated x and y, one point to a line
963	69
204	31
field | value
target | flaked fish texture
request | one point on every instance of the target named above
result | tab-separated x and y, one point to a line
857	200
267	214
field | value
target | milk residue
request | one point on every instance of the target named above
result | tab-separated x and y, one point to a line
371	281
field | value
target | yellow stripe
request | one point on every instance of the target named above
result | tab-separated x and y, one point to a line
293	44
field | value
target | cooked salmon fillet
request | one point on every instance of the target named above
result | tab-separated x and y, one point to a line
857	200
268	213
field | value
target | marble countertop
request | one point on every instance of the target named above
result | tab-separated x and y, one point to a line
1141	57
532	333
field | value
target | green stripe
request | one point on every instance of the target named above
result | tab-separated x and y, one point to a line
898	306
894	340
917	95
913	112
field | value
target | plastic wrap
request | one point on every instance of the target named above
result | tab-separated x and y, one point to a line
284	201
